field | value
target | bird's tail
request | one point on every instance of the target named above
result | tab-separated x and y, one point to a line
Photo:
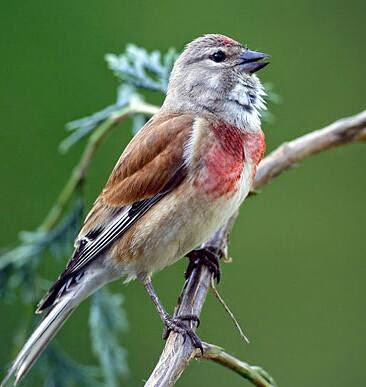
39	339
61	300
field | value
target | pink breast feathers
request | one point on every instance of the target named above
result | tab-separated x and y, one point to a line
255	147
225	160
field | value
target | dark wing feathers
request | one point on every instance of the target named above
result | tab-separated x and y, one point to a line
122	223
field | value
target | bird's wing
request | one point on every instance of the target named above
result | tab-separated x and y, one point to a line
151	166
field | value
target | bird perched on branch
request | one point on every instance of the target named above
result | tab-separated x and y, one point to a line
180	178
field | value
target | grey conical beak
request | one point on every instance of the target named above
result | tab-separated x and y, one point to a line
251	61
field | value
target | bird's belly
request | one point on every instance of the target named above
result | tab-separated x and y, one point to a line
173	227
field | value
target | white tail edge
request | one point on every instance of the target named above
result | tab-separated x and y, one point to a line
39	339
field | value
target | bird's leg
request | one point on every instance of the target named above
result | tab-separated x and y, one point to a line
175	324
208	256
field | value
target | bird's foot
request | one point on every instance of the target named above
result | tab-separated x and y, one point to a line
176	324
207	256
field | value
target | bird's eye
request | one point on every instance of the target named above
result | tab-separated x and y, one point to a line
218	56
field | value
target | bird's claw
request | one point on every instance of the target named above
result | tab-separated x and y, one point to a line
176	324
207	256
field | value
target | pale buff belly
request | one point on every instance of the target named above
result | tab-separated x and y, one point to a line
172	228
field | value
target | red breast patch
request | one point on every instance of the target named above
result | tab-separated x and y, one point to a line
225	160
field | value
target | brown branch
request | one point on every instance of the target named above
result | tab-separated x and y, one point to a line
341	132
177	353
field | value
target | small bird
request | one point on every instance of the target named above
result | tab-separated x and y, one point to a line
177	182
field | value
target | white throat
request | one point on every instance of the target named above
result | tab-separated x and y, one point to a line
244	105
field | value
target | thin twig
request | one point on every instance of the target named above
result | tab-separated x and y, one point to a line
78	174
228	311
177	353
254	374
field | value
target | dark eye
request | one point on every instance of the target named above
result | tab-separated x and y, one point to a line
218	56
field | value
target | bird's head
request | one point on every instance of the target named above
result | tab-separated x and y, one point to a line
217	74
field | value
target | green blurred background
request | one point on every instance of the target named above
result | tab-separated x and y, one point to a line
297	281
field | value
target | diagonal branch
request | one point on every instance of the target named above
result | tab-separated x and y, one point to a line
341	132
177	353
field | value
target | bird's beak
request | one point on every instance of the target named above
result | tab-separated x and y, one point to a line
251	61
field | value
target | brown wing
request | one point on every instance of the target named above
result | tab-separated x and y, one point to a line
148	163
151	166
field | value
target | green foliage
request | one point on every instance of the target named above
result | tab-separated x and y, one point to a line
19	267
59	370
107	319
136	69
84	126
141	69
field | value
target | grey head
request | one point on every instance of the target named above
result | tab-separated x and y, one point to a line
216	74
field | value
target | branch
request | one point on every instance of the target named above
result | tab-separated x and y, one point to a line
177	353
256	375
342	132
80	170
